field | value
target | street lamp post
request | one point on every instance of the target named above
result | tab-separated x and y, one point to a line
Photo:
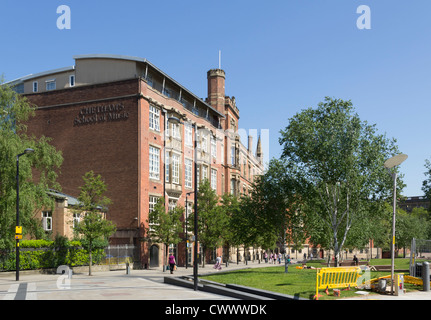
390	163
195	251
26	151
185	222
195	247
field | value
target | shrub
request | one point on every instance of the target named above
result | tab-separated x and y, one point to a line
42	254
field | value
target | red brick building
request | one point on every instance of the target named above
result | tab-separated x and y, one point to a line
111	114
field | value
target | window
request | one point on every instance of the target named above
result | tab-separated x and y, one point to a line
154	118
167	167
214	179
188	173
232	186
167	92
150	80
189	134
198	176
153	202
35	86
175	168
204	143
172	204
19	88
173	250
154	163
213	147
232	156
204	172
198	137
76	219
222	154
72	80
51	85
47	220
176	130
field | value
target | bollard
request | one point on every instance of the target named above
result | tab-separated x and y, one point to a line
426	275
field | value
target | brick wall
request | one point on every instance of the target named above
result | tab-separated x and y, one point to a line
107	143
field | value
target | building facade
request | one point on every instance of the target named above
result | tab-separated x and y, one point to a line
130	122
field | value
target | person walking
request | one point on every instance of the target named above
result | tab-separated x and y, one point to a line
217	265
172	263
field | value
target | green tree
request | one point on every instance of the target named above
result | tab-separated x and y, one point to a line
165	226
337	162
229	207
274	209
94	228
426	184
409	226
38	171
211	219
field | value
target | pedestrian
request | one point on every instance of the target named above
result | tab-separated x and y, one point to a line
355	260
217	265
266	257
305	256
172	263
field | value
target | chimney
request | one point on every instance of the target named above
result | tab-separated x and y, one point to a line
259	154
216	90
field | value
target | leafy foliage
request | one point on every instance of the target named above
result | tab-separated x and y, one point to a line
426	184
94	228
165	226
336	161
37	172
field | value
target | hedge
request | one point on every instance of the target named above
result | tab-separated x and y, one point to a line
42	254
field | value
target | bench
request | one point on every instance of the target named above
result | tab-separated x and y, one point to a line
386	268
347	263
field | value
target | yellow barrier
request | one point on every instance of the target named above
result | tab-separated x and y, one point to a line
339	277
407	279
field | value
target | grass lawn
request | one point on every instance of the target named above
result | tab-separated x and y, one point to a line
297	282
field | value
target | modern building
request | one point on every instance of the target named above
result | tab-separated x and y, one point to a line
409	203
133	124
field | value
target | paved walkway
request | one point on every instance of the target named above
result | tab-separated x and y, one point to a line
139	285
111	285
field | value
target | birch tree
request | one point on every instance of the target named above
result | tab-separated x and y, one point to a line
337	161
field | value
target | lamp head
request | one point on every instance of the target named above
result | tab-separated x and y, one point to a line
395	160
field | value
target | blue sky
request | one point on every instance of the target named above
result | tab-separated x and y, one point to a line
279	56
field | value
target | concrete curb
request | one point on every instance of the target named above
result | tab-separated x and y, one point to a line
230	290
264	293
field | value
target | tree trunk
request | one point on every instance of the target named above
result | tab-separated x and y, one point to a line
91	260
165	261
203	256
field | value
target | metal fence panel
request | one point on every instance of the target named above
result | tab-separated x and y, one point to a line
120	254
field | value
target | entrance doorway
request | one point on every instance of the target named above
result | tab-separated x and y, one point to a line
154	256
